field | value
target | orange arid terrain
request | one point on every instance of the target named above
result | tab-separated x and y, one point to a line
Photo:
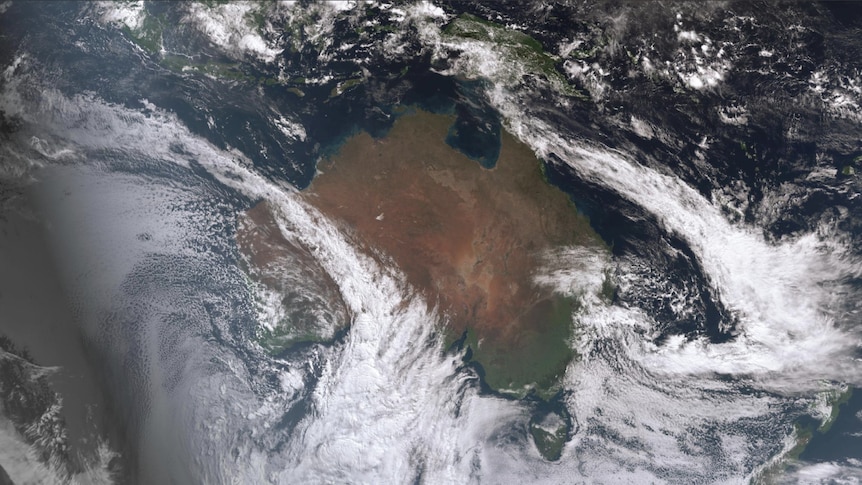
469	238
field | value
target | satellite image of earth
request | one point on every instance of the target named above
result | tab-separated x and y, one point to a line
430	242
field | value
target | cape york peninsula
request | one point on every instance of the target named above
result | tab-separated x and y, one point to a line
470	239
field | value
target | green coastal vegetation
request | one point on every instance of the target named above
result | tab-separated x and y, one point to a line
836	400
149	36
550	435
520	48
281	339
538	360
803	432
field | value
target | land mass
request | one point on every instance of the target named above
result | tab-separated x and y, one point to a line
310	307
470	239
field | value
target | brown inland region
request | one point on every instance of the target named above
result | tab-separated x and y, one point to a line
310	298
470	238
